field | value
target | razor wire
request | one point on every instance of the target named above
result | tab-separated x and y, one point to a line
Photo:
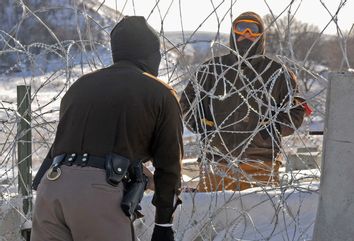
75	41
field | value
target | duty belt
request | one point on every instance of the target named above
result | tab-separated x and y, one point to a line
74	159
84	160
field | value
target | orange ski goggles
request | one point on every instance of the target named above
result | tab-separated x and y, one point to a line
242	26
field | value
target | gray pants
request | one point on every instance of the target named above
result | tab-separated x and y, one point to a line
79	206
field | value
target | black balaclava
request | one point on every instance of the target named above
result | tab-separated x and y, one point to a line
134	40
244	45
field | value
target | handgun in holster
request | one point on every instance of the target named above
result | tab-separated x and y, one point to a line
134	191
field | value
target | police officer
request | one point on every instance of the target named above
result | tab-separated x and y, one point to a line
242	104
125	110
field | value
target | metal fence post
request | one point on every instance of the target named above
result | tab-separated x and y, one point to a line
334	221
24	135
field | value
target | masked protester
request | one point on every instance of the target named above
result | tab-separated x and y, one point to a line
241	104
111	120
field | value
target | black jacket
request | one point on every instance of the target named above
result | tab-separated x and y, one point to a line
242	106
126	110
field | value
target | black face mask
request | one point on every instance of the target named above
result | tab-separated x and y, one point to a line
244	45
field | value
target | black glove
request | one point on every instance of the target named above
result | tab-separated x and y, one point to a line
162	234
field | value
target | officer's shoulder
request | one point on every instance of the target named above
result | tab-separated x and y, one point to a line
87	76
157	81
162	86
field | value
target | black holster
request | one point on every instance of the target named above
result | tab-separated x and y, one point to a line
134	190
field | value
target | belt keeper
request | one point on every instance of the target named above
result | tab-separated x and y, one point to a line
71	159
84	160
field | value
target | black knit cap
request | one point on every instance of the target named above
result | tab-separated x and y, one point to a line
134	40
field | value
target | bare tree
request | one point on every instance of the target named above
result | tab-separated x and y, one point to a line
294	39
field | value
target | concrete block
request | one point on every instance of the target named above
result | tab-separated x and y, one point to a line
335	213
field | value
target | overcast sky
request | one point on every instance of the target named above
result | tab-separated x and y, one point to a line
194	12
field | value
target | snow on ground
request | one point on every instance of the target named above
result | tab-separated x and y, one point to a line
285	213
252	214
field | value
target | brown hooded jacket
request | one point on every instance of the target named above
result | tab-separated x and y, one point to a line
243	102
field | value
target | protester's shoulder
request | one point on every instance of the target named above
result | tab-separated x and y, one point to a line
160	86
285	71
87	76
276	64
273	61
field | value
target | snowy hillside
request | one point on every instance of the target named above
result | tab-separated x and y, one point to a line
51	28
62	18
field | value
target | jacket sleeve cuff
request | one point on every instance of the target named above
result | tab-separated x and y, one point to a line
164	225
164	215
